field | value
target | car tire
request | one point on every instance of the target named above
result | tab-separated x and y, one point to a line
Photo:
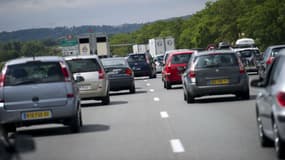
167	85
264	140
106	99
189	98
245	95
279	144
76	122
133	89
7	128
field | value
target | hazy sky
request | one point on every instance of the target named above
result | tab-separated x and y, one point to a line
25	14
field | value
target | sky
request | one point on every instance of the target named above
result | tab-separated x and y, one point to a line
27	14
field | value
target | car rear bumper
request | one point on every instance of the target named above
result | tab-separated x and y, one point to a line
198	91
121	83
58	114
100	91
140	73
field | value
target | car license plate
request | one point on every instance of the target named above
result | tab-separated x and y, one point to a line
84	88
219	81
36	115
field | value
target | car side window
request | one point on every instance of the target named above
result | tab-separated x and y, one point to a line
275	71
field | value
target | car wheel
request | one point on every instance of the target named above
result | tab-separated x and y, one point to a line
133	89
76	122
279	144
9	128
245	95
189	98
167	85
106	99
264	140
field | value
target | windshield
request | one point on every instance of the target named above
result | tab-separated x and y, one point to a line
83	65
32	73
113	62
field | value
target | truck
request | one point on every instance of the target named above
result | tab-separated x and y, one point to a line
140	48
94	43
159	46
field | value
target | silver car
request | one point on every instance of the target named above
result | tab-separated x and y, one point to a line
38	90
270	105
92	79
213	73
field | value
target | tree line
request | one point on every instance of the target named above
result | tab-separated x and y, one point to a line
222	20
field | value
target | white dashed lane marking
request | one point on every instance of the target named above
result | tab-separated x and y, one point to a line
177	146
151	90
156	99
148	84
164	114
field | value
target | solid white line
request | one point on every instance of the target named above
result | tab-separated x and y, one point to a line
151	90
156	99
177	146
164	114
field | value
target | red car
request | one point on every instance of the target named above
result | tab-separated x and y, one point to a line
174	67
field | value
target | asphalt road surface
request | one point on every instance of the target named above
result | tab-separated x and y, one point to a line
156	124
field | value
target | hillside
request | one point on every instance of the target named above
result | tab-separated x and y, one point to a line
54	33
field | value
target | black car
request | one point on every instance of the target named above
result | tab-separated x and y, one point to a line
142	64
121	76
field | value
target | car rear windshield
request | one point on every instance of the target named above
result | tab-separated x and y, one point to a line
33	72
136	58
180	58
249	53
276	51
216	60
83	65
114	62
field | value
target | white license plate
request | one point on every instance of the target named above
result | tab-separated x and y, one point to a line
84	88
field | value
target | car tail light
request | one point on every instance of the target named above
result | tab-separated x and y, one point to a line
101	74
70	95
2	77
65	72
129	72
192	74
168	70
270	60
281	99
241	67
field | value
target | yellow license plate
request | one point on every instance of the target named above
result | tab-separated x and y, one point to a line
219	81
36	115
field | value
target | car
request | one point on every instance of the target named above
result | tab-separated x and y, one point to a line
158	59
215	72
174	66
38	90
166	54
92	79
120	74
268	57
142	64
250	58
270	106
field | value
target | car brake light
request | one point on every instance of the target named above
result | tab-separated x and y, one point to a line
129	72
192	74
70	95
241	67
65	72
281	99
270	60
101	74
2	77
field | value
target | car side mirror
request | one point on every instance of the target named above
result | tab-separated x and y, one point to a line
79	79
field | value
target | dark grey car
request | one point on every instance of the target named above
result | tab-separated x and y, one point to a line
38	90
214	73
270	105
120	74
268	56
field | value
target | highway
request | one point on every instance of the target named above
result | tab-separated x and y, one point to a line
156	124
